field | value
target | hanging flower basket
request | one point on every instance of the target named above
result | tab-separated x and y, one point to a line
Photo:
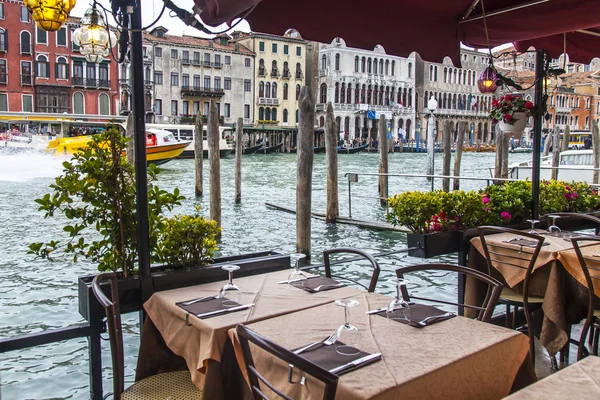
511	113
518	126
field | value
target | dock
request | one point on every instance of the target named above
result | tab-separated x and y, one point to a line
376	225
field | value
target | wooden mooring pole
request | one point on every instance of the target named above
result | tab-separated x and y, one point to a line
239	135
555	151
447	143
566	139
462	127
596	147
305	146
333	204
130	133
505	144
499	149
215	163
198	153
383	161
547	144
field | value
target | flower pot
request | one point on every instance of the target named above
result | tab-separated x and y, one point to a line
518	126
434	244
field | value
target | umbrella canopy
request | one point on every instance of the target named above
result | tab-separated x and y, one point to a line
433	28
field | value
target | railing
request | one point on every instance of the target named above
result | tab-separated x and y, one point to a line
201	91
274	73
566	110
299	75
104	83
206	63
148	83
90	82
197	63
218	65
262	72
322	72
122	82
286	74
77	81
185	61
268	101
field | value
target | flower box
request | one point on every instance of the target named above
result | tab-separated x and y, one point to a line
434	244
130	288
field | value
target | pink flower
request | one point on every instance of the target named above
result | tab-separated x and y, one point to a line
573	195
568	188
486	200
505	215
487	209
568	195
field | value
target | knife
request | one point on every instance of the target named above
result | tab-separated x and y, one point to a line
355	363
298	280
225	310
410	303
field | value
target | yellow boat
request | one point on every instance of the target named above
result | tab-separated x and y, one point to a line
161	146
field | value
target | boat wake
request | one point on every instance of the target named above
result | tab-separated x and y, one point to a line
25	166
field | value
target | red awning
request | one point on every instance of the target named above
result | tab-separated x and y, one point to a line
433	28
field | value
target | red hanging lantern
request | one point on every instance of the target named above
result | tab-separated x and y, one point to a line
487	80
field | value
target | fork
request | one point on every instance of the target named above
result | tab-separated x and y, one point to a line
327	342
329	285
188	303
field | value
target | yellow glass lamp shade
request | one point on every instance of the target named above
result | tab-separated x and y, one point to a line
93	37
49	15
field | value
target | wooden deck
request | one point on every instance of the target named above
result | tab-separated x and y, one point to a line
376	225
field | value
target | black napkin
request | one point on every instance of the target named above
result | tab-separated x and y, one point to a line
418	312
206	306
527	243
310	284
328	358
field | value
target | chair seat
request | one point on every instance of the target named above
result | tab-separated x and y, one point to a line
597	313
171	385
510	296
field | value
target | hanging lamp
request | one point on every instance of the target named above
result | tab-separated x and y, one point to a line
486	83
49	15
93	36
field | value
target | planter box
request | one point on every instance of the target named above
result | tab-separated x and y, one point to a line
130	292
434	244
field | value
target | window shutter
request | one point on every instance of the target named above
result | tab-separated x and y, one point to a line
67	68
35	68
6	40
56	70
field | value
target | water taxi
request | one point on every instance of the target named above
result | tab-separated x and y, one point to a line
574	165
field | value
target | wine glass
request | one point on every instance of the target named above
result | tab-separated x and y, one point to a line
348	334
398	309
297	275
533	222
553	230
230	292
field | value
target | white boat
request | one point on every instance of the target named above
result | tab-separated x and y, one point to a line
23	142
574	165
186	132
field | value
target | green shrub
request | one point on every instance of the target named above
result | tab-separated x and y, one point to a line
414	209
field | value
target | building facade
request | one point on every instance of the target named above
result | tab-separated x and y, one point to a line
183	73
362	85
279	73
457	95
45	72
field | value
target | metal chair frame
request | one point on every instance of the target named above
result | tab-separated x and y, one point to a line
247	336
374	264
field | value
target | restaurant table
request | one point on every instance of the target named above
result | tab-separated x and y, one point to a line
458	358
579	381
202	343
556	277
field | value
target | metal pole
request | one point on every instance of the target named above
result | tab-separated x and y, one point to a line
349	199
430	147
537	131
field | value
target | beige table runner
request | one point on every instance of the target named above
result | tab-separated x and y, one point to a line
205	339
569	260
579	381
455	359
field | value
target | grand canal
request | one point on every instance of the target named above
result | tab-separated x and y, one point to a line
36	295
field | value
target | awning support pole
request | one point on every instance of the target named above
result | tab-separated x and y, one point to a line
540	108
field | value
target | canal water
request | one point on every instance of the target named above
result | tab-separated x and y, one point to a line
37	295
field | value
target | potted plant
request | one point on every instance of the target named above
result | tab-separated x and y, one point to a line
511	112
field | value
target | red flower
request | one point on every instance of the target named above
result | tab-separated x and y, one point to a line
495	103
528	105
568	187
507	117
442	214
508	97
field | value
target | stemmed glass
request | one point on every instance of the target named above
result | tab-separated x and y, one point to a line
297	275
398	309
230	292
348	334
533	222
554	230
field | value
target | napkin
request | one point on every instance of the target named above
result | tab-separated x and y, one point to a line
418	312
310	284
207	306
528	243
327	358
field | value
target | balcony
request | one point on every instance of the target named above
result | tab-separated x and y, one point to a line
206	63
322	72
267	101
286	74
563	110
185	61
77	81
200	91
122	82
104	83
262	72
218	65
274	73
197	63
91	82
299	75
3	78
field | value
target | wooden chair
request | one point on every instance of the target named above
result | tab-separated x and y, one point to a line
584	217
513	256
247	336
592	321
374	264
173	385
492	295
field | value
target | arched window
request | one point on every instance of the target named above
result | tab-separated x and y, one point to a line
337	93
362	65
274	90
343	93
363	94
431	73
435	73
25	42
285	91
380	67
337	62
103	104
286	70
274	114
357	95
324	62
356	64
369	92
78	105
375	94
322	121
394	68
323	93
285	115
42	66
267	114
387	67
298	71
274	68
62	68
349	94
409	70
148	101
261	114
425	98
297	92
268	89
369	69
261	67
261	89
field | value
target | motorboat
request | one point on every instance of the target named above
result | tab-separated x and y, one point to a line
574	165
22	142
161	146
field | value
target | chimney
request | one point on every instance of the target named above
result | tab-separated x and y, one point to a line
210	43
237	47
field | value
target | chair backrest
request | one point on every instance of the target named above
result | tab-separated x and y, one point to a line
247	336
510	255
485	310
586	217
587	264
115	332
374	264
